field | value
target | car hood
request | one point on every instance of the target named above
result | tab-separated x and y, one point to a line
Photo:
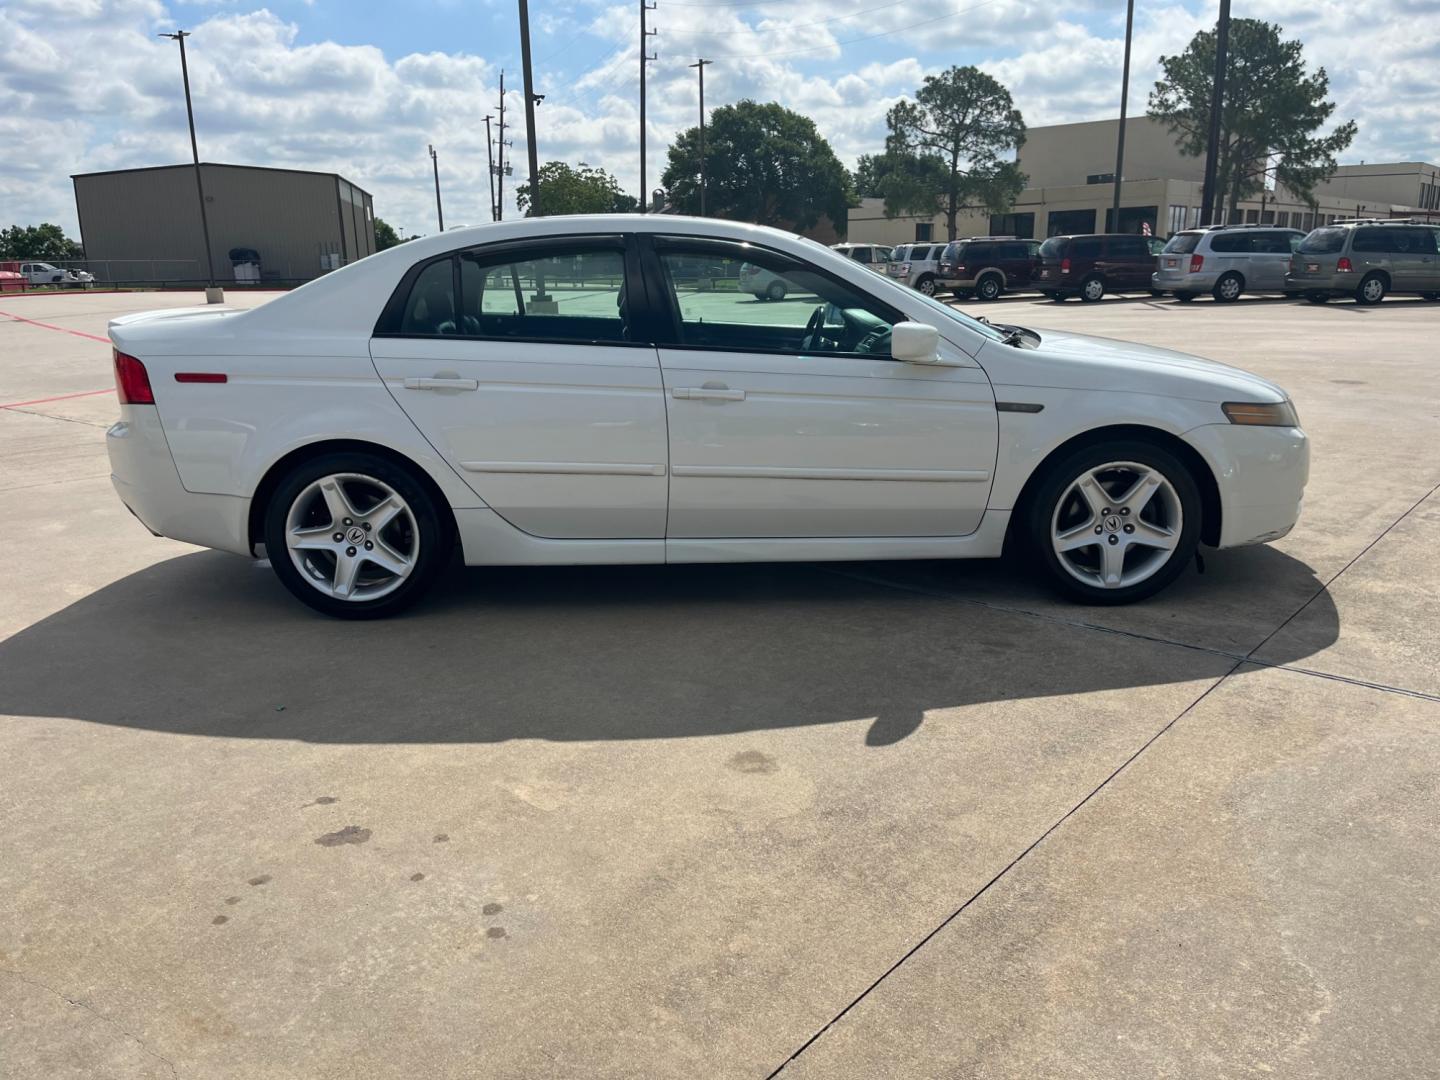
1084	362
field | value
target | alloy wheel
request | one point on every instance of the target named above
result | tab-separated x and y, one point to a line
352	537
1116	525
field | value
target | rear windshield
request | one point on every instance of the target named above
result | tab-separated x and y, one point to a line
1183	243
1323	242
1053	248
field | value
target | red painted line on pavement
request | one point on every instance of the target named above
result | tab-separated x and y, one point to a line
57	397
49	326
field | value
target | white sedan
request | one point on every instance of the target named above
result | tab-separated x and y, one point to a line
546	391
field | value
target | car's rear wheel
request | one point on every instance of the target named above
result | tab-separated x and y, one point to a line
989	287
354	535
1157	292
1184	297
1092	289
1228	289
1431	295
1116	522
776	291
926	286
1371	290
1059	298
1318	297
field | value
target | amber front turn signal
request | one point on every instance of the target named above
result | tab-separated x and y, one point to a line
1279	414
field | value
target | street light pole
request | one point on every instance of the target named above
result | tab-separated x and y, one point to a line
645	58
439	212
1217	100
1124	102
490	162
213	294
531	100
699	66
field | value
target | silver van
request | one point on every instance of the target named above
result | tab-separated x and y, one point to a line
1225	261
915	265
1367	258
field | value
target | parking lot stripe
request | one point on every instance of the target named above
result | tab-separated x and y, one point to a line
57	397
51	326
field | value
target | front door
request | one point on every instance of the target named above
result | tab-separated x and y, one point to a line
790	419
521	365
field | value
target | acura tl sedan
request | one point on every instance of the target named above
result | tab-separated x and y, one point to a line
553	391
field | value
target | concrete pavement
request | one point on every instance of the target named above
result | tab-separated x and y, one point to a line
916	819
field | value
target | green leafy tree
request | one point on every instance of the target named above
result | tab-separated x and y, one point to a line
763	163
902	180
1272	112
583	190
385	235
959	127
47	242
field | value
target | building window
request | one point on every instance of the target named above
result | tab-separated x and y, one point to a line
1283	219
923	230
1252	217
1069	222
1132	219
1177	219
1100	178
1194	217
1020	226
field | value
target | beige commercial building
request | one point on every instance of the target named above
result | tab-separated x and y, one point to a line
144	224
1071	171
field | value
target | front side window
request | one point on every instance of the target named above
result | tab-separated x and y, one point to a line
555	294
801	311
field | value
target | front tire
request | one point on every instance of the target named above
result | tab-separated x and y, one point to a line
355	536
1092	289
1114	523
1371	290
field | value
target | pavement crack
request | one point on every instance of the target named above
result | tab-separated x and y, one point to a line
52	416
77	1003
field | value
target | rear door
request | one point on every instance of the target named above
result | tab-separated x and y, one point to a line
526	368
792	419
1129	263
1270	253
1015	262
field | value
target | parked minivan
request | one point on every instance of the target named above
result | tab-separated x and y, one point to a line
1225	261
986	266
1366	259
915	265
875	256
1092	264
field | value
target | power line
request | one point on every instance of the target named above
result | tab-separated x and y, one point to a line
785	26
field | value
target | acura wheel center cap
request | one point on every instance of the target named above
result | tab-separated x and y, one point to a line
356	535
1112	523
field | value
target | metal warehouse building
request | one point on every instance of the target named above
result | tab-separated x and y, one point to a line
144	224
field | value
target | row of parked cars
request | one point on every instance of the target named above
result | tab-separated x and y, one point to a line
1366	259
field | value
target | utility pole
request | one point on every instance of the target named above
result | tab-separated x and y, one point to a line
213	294
490	164
531	100
439	213
699	66
1124	102
500	169
1217	100
645	58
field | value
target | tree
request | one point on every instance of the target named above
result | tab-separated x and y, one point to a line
385	235
1268	123
566	190
958	126
763	163
902	180
45	241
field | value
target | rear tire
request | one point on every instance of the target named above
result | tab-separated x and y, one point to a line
1155	540
1371	291
776	290
1431	295
989	288
1318	297
1157	292
1092	289
1228	289
1185	297
370	572
925	286
1059	298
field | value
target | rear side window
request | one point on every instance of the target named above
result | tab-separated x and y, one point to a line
1323	242
1053	248
1128	247
981	252
1183	243
1371	240
1085	247
430	308
1230	243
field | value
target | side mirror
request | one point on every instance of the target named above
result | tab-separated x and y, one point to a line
915	343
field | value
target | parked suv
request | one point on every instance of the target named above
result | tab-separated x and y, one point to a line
1366	259
875	256
1092	264
986	266
1225	261
915	265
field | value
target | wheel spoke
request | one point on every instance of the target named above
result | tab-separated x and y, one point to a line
1155	536
1078	537
336	501
387	558
347	569
1094	495
321	539
383	512
1140	493
1112	564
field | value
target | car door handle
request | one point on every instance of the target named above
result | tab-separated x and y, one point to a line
442	384
707	393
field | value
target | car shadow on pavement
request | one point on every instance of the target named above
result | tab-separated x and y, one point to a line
209	644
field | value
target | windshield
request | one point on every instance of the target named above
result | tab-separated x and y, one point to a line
1052	248
1323	242
973	324
1182	243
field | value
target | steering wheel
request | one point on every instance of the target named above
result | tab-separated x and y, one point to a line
876	341
813	338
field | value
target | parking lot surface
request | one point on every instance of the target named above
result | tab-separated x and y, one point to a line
891	819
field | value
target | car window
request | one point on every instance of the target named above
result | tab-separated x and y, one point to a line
1183	243
555	295
1230	243
1327	241
1294	240
1085	247
981	252
1370	240
816	314
1053	248
1128	247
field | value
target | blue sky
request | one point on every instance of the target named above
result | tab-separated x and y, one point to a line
362	87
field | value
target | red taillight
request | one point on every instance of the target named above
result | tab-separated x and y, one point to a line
201	376
1344	265
1064	266
132	383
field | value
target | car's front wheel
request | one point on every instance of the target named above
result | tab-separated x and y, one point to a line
354	535
1116	522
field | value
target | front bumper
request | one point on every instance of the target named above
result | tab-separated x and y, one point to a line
144	476
1261	473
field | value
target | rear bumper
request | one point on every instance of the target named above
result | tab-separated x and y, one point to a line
1261	473
144	476
1183	281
